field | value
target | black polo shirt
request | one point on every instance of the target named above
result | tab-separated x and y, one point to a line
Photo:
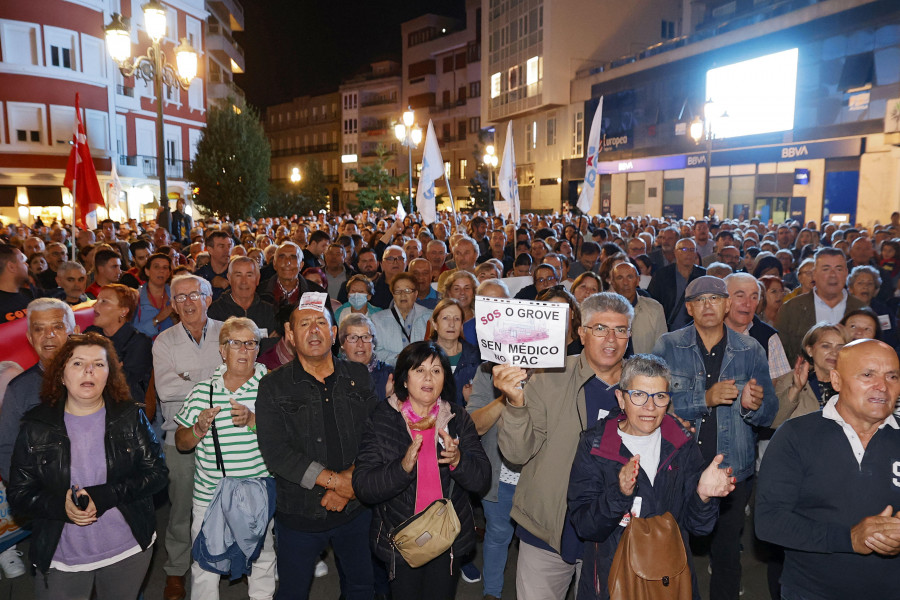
707	437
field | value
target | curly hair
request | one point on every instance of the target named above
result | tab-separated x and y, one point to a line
54	389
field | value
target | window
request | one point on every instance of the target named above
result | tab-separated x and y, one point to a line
551	129
463	164
461	96
194	136
578	134
96	123
192	30
20	43
26	123
94	57
475	89
495	85
445	132
474	124
448	64
513	77
445	98
667	30
62	119
461	130
532	70
448	172
350	126
530	132
121	136
195	94
60	48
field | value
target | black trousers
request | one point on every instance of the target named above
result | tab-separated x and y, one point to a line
434	580
725	544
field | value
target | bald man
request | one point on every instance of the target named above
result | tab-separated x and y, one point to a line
829	485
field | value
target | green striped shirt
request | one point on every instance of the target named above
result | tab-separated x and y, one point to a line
240	449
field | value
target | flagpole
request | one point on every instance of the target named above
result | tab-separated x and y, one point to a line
452	204
74	202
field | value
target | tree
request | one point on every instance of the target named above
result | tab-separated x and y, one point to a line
231	168
377	187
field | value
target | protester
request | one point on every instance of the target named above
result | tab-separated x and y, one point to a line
447	332
241	299
111	457
356	335
156	312
434	442
586	284
360	290
403	323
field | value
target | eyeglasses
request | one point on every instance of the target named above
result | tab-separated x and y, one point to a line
194	296
248	344
404	292
547	280
392	259
365	338
640	397
711	300
686	249
602	331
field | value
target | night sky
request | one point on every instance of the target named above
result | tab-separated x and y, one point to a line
297	47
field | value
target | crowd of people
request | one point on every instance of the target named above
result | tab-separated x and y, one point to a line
308	384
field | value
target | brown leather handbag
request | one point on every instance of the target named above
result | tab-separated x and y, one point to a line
650	562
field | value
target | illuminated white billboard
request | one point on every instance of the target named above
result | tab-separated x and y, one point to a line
753	96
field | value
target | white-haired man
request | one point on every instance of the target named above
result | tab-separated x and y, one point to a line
183	356
50	322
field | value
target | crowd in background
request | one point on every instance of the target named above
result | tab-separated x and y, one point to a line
214	324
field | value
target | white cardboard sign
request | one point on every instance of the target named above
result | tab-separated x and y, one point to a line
522	332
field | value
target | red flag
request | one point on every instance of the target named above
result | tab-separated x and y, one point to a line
81	177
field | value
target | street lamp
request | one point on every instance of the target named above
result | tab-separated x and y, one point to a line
410	135
295	175
490	159
152	67
702	129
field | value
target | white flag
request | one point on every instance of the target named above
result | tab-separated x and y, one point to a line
586	199
114	189
401	212
509	187
432	168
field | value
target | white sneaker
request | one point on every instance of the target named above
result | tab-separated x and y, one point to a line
11	564
321	569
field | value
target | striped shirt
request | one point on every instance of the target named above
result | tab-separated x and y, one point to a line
240	449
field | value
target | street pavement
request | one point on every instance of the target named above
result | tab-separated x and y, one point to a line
328	587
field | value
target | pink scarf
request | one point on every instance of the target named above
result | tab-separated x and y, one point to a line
428	475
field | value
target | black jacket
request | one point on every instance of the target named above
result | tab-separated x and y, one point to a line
291	431
40	474
662	289
266	289
135	350
380	481
260	312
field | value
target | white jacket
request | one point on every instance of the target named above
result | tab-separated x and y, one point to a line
648	326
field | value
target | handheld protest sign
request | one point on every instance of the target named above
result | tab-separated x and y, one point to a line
523	333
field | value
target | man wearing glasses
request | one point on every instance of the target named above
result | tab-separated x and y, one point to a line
721	384
668	284
539	429
183	356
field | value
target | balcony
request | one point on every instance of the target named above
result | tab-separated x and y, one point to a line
230	10
125	90
175	169
223	47
317	149
224	89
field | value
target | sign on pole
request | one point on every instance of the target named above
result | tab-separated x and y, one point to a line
523	333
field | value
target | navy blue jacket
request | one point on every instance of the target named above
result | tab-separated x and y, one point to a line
597	505
810	494
466	369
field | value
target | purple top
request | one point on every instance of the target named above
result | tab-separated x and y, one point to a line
110	535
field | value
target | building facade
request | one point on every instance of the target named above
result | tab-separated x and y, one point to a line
305	129
823	147
534	49
442	82
225	57
52	50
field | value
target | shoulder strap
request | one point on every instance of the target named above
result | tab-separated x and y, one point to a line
400	323
220	460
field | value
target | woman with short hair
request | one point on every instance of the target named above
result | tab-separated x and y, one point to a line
155	312
356	335
404	322
447	331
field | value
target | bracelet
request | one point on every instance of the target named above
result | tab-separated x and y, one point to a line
252	428
328	483
194	432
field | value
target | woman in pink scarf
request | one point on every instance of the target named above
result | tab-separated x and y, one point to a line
416	444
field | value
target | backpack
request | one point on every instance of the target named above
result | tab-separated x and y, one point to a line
650	562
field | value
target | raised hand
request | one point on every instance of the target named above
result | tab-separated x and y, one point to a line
715	482
723	392
450	454
628	475
205	419
752	395
801	374
241	415
507	379
412	454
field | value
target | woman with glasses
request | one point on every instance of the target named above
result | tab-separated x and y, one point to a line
224	408
84	470
356	335
404	322
447	331
155	312
640	460
113	313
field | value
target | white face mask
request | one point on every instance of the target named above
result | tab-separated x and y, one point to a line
357	300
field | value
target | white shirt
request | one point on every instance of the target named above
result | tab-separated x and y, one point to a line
832	316
830	412
648	446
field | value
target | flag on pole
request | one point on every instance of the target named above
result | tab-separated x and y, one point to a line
113	189
401	212
81	177
509	186
432	169
586	199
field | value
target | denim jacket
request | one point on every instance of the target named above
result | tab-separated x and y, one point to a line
744	360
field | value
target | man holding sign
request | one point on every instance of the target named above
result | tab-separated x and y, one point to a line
540	428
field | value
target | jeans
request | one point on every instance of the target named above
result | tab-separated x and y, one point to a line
498	533
298	552
725	546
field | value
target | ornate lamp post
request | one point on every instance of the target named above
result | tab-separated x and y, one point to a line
410	135
490	159
152	68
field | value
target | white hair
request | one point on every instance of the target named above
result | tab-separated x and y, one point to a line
205	287
44	304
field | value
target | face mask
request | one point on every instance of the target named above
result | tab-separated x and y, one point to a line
357	301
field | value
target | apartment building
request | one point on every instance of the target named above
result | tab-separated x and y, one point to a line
224	57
